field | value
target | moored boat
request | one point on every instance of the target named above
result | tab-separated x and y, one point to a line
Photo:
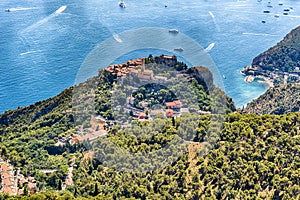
178	49
122	4
173	31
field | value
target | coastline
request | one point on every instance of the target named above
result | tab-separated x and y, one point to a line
258	78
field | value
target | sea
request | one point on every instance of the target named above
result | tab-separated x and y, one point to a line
44	43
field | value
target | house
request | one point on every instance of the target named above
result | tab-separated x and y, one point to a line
166	60
8	179
175	105
142	115
169	113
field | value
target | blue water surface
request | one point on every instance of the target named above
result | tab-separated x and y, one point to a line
44	42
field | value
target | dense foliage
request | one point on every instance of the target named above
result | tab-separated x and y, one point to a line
280	63
280	99
257	157
229	156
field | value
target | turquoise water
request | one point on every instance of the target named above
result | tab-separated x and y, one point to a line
43	44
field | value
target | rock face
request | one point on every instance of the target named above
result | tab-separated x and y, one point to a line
281	63
280	99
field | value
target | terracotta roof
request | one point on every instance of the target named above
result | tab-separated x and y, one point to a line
170	104
169	113
8	190
173	103
7	182
142	115
5	167
5	175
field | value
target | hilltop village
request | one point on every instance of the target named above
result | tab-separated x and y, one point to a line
137	108
141	108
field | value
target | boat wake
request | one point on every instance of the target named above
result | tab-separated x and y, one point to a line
44	20
28	52
209	47
214	20
258	34
19	9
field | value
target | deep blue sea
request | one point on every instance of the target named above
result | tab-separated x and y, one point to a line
43	43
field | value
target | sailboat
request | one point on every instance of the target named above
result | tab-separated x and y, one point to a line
122	4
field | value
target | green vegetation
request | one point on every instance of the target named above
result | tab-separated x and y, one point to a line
250	157
280	63
257	157
280	99
153	94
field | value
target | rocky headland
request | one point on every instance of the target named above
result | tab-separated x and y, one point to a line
279	64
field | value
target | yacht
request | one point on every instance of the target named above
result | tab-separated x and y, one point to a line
178	49
173	31
122	4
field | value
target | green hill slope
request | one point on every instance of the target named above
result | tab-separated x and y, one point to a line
280	99
257	157
38	138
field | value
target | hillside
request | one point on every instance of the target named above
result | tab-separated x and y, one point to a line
257	157
210	154
251	157
280	99
279	64
46	142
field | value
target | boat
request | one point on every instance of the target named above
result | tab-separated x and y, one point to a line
280	4
224	76
286	10
122	4
263	21
178	49
285	13
7	10
266	11
276	15
173	31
